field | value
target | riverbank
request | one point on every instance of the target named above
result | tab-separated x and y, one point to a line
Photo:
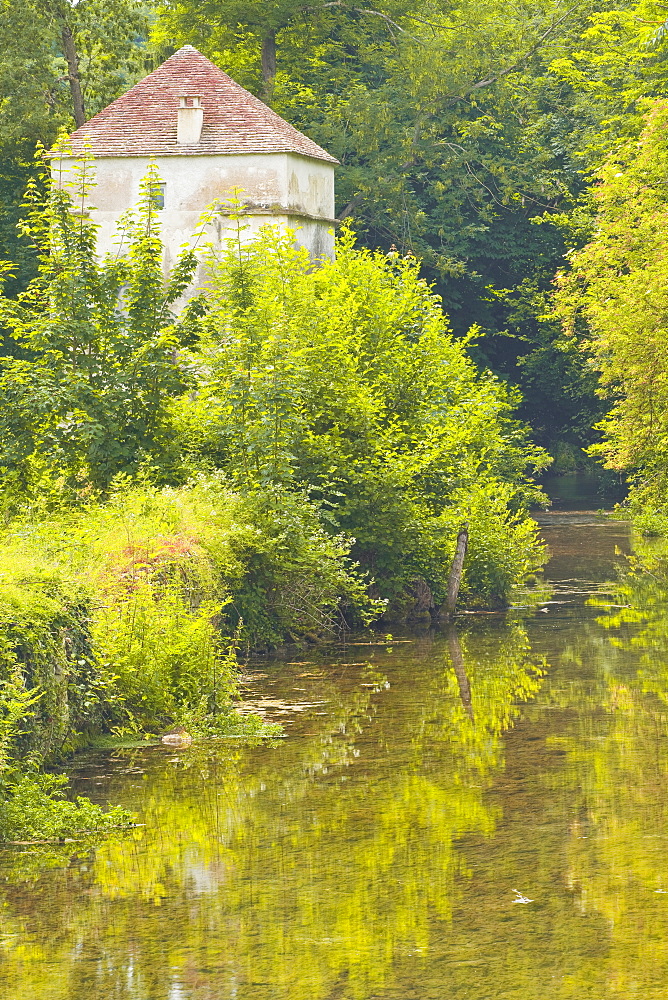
125	618
126	615
398	808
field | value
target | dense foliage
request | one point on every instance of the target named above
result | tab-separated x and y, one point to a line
295	449
60	63
614	297
466	136
345	381
342	382
87	396
125	615
315	437
120	617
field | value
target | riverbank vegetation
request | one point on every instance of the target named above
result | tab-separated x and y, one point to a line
468	136
294	450
335	392
613	300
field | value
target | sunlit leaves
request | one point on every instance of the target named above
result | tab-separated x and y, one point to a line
90	401
344	380
617	291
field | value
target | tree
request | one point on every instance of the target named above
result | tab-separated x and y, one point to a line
60	63
454	138
345	381
615	296
89	399
260	28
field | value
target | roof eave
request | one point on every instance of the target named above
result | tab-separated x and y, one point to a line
88	151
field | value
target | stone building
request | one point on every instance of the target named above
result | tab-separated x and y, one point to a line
208	137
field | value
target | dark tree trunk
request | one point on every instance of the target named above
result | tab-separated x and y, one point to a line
70	53
268	64
349	208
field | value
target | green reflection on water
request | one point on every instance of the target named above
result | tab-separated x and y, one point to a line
374	852
284	871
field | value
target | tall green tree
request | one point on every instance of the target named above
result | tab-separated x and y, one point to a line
60	63
89	399
614	295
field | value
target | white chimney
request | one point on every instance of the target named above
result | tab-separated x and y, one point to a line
189	122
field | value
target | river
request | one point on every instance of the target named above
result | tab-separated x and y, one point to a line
474	814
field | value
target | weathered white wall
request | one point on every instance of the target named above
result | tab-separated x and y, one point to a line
278	188
310	186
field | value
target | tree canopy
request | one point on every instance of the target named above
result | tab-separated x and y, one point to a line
469	135
614	295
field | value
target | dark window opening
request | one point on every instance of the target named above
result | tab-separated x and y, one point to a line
158	196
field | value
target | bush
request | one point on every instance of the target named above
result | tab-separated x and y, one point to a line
126	614
46	658
298	579
345	382
87	396
33	805
167	658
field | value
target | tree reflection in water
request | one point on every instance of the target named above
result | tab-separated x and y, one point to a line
378	850
619	772
304	869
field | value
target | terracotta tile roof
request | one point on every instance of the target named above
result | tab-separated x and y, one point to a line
143	121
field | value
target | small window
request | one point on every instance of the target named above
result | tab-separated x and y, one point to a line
158	196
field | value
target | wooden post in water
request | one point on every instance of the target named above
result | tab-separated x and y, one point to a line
455	578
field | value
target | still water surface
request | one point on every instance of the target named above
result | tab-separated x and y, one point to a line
480	814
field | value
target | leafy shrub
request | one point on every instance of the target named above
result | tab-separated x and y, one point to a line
33	805
333	399
166	657
503	547
16	702
263	555
296	577
168	581
88	397
47	660
345	382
